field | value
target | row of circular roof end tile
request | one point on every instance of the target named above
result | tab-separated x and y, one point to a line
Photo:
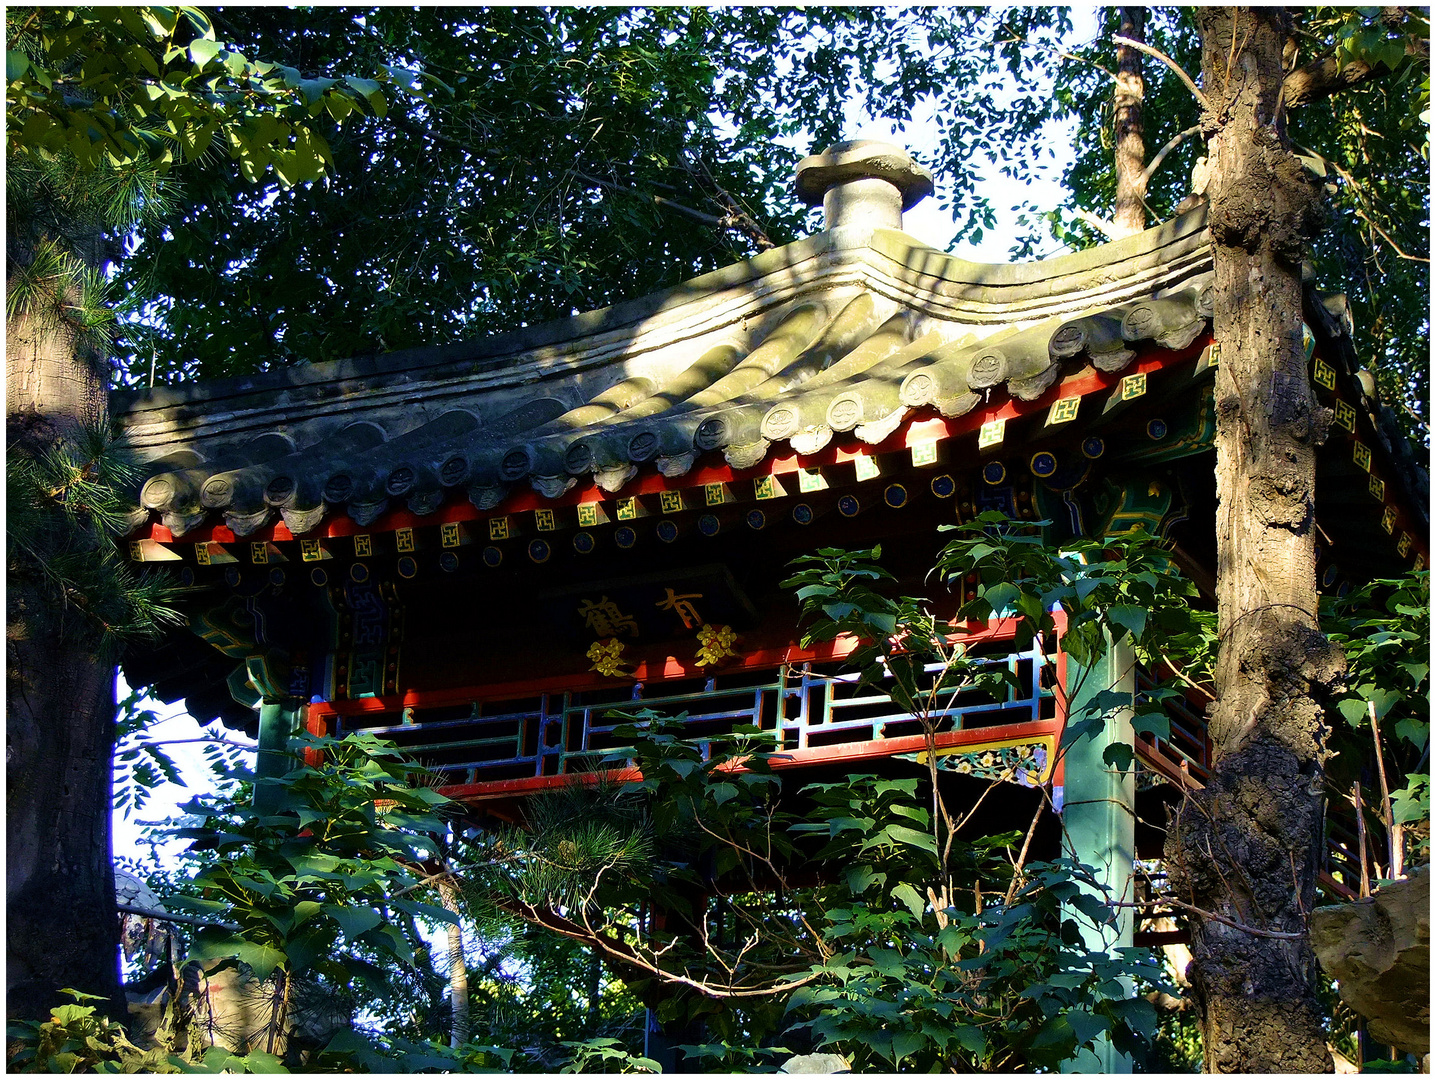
810	378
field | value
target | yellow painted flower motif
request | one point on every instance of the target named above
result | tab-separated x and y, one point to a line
715	644
607	657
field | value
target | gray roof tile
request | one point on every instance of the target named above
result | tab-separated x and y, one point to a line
848	331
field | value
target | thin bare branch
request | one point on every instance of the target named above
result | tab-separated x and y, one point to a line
1102	225
1158	54
1283	935
1161	156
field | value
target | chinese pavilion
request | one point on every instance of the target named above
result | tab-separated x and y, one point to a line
477	549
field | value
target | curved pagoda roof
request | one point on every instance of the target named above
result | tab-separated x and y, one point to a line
851	330
843	335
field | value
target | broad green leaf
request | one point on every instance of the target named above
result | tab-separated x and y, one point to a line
1415	731
1131	618
923	840
215	945
1085	1026
203	50
904	1044
908	896
354	921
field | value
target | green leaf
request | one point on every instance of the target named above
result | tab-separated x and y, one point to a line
1414	730
971	1039
1353	709
1001	597
923	840
1130	617
905	1043
1119	755
203	50
1085	1026
314	89
17	64
211	944
907	895
353	921
367	87
1157	724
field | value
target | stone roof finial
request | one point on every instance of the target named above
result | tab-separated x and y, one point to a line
864	182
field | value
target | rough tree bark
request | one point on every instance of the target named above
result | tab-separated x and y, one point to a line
1129	214
61	926
1247	846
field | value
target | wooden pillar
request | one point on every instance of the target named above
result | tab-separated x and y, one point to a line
1099	816
278	720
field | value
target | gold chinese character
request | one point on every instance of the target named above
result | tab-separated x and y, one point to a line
137	551
201	554
628	509
1346	416
682	606
670	501
865	468
715	644
1325	375
604	618
924	453
404	539
1388	519
587	515
1377	487
498	528
1063	410
1403	546
607	657
362	547
764	488
543	520
713	494
449	534
259	552
1134	386
811	480
991	433
1361	454
309	551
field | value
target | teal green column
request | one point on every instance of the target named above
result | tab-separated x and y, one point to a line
1099	816
277	722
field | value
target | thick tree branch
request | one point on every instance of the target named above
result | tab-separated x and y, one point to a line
1322	78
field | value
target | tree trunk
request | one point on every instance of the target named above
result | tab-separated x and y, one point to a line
1247	846
458	969
1130	212
62	929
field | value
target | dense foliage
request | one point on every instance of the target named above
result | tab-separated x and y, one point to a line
574	157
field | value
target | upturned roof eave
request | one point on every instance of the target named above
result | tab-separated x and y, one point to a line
921	277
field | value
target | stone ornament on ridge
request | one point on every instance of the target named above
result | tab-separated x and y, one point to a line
863	182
